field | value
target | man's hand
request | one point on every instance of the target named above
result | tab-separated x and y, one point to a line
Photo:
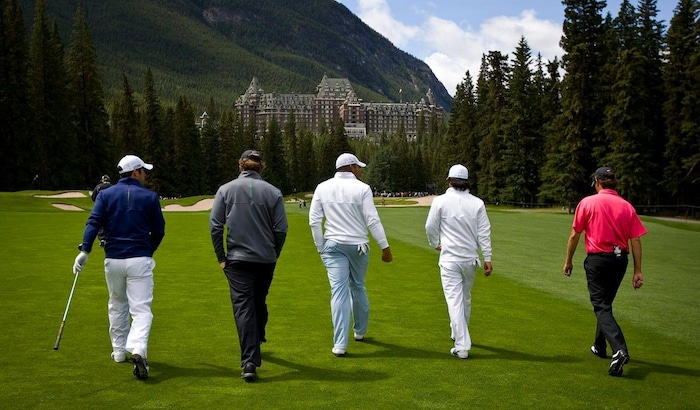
80	261
637	280
487	268
568	266
386	255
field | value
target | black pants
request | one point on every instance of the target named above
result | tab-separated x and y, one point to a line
604	273
249	283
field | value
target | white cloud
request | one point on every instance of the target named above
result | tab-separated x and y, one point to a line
376	14
450	49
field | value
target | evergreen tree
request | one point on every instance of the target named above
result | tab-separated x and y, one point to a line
187	151
230	138
16	163
151	131
275	170
54	142
569	161
167	169
94	153
492	120
681	86
125	123
521	130
210	152
292	155
459	144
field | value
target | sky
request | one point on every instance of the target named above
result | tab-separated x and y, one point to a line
452	35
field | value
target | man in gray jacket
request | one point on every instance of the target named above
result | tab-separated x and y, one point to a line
256	223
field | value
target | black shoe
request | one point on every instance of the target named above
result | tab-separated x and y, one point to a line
140	366
599	352
248	374
102	243
619	359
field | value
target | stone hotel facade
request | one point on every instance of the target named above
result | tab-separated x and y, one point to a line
335	98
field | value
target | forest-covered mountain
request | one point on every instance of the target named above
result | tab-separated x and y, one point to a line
212	48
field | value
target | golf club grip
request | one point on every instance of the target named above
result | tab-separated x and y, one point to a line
60	333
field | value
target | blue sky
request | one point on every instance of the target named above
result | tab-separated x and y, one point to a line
451	35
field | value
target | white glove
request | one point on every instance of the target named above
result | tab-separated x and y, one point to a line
80	261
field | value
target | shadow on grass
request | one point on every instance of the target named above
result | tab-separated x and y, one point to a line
505	354
299	371
640	369
160	372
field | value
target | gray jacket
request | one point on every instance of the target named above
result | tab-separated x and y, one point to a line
253	212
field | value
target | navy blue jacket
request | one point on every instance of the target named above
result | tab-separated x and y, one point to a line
132	219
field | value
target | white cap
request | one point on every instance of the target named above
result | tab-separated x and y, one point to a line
130	163
348	159
458	171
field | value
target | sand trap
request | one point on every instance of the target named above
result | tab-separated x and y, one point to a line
67	207
203	205
74	194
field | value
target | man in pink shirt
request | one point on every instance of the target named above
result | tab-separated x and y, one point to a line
612	229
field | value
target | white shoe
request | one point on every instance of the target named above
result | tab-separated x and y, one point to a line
119	357
462	354
359	337
338	352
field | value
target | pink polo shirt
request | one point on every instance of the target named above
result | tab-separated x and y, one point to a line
608	220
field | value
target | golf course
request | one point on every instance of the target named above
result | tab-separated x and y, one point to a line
532	326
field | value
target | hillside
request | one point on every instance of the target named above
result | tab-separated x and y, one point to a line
209	48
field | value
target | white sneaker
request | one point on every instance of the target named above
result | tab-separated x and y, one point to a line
359	337
462	354
119	357
338	352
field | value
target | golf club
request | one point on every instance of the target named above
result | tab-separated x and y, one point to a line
65	314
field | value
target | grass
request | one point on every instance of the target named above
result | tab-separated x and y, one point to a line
531	325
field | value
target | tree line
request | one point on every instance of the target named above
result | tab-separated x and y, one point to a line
624	94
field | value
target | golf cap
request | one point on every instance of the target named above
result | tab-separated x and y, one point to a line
252	155
130	163
348	159
603	173
105	178
458	171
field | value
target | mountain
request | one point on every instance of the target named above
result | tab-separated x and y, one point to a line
213	48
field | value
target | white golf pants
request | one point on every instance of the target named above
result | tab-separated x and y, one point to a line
130	286
457	281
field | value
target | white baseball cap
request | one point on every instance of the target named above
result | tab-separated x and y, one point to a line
458	171
130	163
348	159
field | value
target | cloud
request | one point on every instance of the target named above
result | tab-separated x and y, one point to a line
376	14
451	49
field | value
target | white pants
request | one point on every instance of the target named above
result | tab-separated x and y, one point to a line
130	286
457	280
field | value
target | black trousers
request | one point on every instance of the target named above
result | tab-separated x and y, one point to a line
604	273
249	284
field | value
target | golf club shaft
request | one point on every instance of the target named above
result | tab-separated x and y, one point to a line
65	314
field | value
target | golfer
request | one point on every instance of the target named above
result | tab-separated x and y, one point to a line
105	183
612	228
252	210
347	205
457	226
134	228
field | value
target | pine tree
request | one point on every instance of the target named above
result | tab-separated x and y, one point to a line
151	131
275	170
459	145
125	123
230	138
16	163
681	84
210	152
491	120
569	161
95	157
292	154
54	142
521	130
187	151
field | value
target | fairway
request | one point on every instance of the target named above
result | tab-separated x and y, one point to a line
531	325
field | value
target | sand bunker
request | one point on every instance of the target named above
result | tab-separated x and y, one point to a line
67	207
74	194
203	205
